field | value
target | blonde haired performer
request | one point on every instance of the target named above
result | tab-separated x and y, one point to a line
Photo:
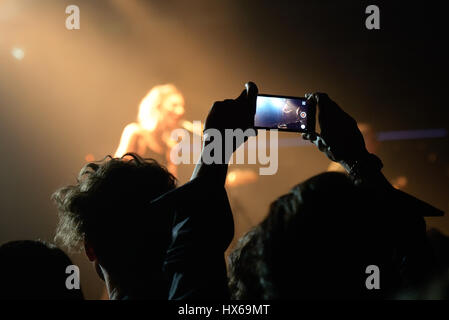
160	112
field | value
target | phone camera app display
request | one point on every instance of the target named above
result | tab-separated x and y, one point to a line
281	113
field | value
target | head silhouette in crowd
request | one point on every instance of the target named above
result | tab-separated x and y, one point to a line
106	211
317	242
34	270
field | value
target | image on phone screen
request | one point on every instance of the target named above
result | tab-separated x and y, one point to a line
284	113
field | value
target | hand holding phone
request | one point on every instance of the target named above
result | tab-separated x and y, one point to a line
340	138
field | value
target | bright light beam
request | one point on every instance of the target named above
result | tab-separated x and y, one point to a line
18	53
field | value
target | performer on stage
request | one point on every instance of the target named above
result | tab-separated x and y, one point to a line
159	113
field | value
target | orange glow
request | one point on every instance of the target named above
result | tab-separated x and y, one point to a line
231	177
400	182
240	177
89	157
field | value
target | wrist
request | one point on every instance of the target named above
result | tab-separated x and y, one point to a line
215	148
210	166
364	166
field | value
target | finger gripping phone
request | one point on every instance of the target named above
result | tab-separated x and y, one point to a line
284	113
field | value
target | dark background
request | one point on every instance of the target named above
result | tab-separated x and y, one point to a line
74	91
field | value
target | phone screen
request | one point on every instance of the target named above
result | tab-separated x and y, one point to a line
284	113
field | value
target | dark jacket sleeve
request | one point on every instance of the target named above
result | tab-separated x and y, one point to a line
202	230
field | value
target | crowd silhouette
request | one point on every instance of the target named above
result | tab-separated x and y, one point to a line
151	239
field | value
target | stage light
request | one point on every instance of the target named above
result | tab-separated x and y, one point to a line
18	53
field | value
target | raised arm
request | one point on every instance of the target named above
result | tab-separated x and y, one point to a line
228	114
128	140
203	226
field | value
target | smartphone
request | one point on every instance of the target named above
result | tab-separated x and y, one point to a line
284	113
